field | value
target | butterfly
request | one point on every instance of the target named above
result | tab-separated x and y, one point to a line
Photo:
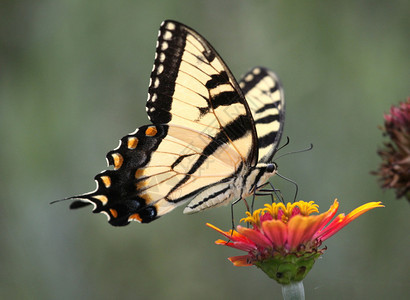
211	140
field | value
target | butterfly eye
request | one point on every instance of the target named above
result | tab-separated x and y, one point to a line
270	168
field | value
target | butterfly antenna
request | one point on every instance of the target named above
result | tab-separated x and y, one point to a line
293	152
293	182
284	145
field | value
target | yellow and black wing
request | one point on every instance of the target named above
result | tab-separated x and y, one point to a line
202	137
265	97
191	86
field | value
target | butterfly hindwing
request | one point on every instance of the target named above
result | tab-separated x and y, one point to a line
116	194
156	169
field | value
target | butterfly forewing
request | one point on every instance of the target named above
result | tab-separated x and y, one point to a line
264	94
191	86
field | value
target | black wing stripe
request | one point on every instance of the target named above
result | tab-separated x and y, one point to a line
266	140
210	197
224	99
267	119
266	107
217	79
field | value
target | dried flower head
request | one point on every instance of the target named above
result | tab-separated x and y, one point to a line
394	171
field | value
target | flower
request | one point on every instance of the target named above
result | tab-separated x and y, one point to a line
284	241
394	171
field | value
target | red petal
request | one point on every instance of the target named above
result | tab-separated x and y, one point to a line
329	214
237	245
255	236
243	243
266	217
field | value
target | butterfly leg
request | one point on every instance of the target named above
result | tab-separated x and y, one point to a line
261	193
253	200
232	214
270	191
270	194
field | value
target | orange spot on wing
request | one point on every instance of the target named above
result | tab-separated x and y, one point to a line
141	184
106	180
151	131
114	213
132	143
147	199
102	198
118	160
139	173
135	217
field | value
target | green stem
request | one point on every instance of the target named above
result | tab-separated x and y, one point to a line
293	291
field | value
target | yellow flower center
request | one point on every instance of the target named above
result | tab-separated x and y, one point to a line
279	210
252	218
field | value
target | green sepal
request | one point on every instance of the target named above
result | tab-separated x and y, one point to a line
289	268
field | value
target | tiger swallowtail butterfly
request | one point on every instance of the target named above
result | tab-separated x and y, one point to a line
211	140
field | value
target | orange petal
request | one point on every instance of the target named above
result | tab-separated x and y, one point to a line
217	229
276	231
341	220
222	242
232	234
240	261
302	228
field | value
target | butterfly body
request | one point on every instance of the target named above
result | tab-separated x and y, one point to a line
211	140
240	186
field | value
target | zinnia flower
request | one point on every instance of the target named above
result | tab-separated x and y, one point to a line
284	241
394	171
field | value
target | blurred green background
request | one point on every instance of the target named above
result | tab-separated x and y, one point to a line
73	80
